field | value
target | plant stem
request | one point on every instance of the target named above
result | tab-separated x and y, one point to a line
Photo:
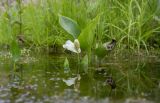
78	58
19	2
14	66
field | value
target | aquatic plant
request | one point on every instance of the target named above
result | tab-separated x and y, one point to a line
74	47
85	63
70	81
86	36
66	66
134	24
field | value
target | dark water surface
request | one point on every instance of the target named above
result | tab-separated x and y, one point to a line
41	79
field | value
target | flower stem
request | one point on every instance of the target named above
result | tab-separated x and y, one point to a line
78	59
14	66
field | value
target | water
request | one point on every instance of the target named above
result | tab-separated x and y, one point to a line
41	79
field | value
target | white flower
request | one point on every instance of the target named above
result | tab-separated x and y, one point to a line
70	81
74	47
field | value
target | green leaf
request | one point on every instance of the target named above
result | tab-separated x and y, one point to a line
66	66
84	63
100	51
15	51
87	35
70	26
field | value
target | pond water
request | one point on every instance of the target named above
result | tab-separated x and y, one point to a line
42	79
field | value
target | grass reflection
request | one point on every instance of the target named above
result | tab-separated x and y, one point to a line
44	79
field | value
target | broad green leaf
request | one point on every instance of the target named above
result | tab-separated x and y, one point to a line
15	51
70	26
87	35
100	51
84	63
66	66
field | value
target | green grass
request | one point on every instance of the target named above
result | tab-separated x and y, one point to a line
131	22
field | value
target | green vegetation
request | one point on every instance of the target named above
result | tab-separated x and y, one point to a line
97	50
135	24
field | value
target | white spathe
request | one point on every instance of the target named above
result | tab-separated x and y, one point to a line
70	81
74	47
